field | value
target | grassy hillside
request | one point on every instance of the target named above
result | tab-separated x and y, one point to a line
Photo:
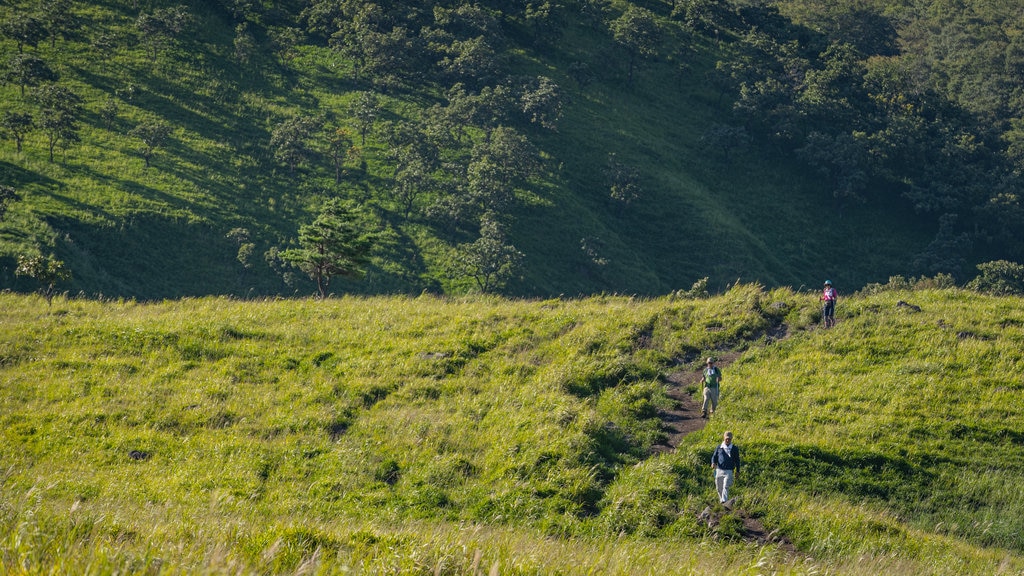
427	435
125	229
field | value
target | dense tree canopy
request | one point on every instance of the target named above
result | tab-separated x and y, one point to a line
436	112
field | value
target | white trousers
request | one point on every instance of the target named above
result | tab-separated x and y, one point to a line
723	481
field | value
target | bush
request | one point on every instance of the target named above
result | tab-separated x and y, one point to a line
999	278
896	283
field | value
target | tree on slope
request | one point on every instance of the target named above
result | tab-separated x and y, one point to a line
490	261
27	70
290	141
46	271
638	32
153	136
337	243
15	126
24	29
58	115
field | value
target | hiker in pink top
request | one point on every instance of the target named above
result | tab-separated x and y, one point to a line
828	309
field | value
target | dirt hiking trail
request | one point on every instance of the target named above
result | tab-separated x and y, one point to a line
684	418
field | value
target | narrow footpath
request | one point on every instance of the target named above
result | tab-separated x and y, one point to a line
684	418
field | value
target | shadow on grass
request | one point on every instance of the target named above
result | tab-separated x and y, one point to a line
854	473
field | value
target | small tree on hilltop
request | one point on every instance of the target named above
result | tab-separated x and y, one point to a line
46	271
365	110
337	243
340	148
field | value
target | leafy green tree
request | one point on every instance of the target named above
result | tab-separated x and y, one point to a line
768	88
833	95
725	138
59	108
46	271
472	61
15	126
700	15
841	160
623	181
58	18
340	148
637	31
464	110
440	128
415	157
153	135
109	110
106	44
948	251
546	20
501	162
337	243
1000	278
488	188
24	29
381	48
541	102
246	248
285	39
365	109
490	260
411	181
7	195
245	44
291	140
27	70
240	236
1014	139
469	21
162	26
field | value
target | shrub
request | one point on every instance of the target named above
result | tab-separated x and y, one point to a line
999	278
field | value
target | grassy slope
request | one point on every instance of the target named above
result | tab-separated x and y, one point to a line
408	434
159	232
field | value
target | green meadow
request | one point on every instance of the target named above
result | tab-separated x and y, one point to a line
482	435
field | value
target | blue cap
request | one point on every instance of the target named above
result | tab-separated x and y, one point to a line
829	282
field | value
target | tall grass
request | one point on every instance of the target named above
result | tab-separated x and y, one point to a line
428	435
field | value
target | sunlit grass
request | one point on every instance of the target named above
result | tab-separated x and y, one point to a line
407	434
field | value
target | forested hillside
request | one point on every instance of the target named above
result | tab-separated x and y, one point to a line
160	149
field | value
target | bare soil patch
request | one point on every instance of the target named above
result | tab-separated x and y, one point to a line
684	388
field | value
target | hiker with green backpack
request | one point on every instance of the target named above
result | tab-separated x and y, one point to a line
712	379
